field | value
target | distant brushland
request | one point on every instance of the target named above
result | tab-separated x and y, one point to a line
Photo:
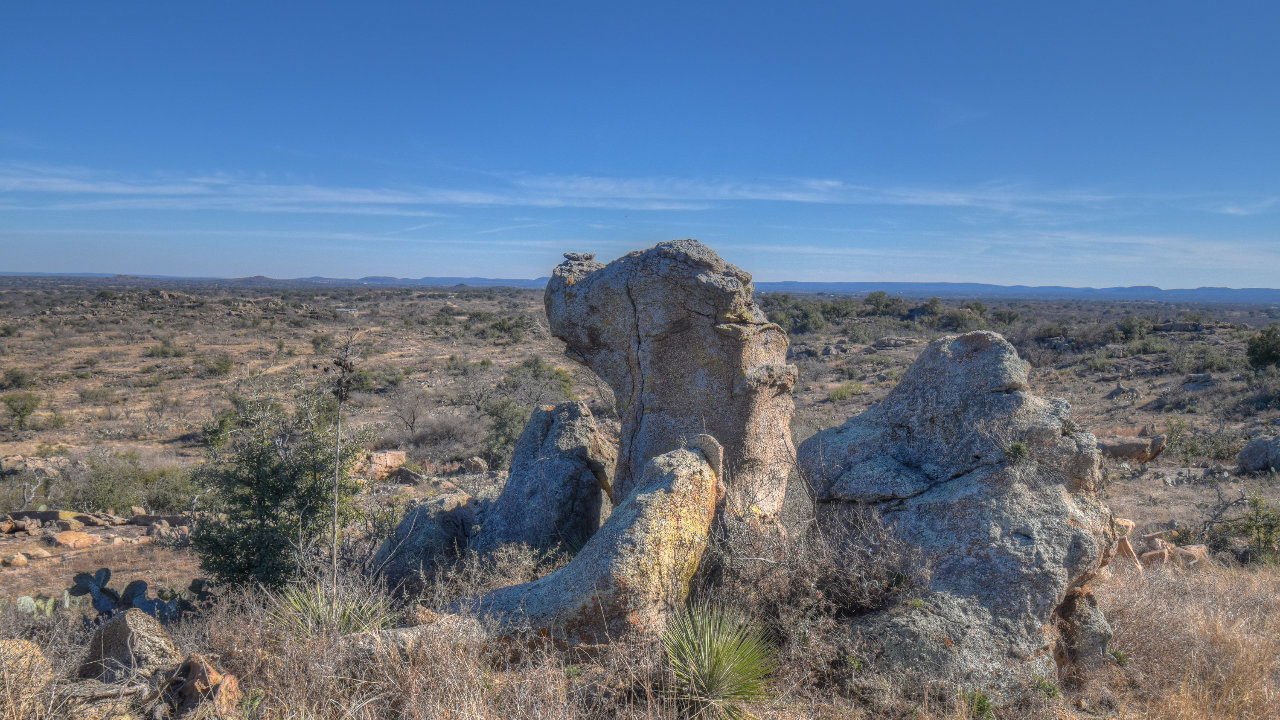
1136	293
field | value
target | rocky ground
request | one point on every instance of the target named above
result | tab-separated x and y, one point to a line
118	393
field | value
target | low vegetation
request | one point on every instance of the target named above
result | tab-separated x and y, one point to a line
215	400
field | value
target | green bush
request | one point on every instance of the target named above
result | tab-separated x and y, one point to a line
719	662
846	391
1263	349
271	483
16	379
1017	453
117	481
166	349
21	406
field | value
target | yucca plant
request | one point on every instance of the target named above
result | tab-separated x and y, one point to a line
309	607
719	662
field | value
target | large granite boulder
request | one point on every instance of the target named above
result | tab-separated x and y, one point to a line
431	535
997	487
1260	455
675	333
631	573
555	489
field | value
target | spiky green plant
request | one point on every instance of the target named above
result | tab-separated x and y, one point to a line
719	662
310	607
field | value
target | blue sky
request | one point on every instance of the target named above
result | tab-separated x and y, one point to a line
1089	143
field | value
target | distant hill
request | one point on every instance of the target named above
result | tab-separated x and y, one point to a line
1137	293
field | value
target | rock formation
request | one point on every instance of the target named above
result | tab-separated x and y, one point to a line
554	492
1139	449
675	333
1260	455
131	644
431	534
632	572
997	486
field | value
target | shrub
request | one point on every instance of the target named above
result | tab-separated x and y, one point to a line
272	483
309	608
719	662
16	379
846	391
117	481
219	366
1017	453
322	344
21	406
1263	349
166	349
1005	317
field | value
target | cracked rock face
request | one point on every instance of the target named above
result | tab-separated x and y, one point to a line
631	573
675	333
555	489
997	486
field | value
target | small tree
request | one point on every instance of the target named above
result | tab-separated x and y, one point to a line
272	479
21	406
1264	348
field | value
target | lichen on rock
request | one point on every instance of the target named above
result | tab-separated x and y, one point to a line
675	332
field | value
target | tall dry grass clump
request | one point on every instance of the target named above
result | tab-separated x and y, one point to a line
1193	645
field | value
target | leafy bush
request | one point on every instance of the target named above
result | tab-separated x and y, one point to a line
166	349
16	379
719	662
21	406
272	484
1263	349
117	481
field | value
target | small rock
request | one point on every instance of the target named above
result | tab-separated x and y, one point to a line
893	341
132	643
16	560
1140	449
475	465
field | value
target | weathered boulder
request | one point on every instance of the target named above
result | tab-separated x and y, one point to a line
675	333
383	463
16	560
73	539
24	673
1260	455
893	341
555	488
1138	449
131	644
997	487
631	573
475	465
430	535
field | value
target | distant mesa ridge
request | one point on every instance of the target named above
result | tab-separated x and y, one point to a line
1139	293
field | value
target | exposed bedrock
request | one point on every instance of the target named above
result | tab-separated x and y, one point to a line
675	333
998	487
631	573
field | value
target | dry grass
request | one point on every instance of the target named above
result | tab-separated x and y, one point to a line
1195	645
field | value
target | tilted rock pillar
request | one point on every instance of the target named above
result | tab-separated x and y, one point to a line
675	333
